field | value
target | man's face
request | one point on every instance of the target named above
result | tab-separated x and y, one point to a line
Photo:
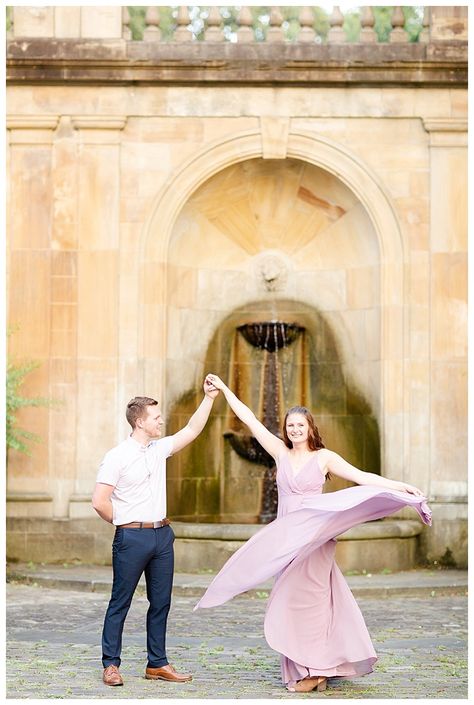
152	422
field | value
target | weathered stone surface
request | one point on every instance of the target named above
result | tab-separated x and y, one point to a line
150	196
222	62
33	21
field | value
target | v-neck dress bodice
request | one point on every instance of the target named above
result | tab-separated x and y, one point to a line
295	488
312	618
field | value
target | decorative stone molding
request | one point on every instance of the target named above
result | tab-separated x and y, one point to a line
274	137
447	132
29	497
31	129
30	504
32	122
246	63
98	122
103	129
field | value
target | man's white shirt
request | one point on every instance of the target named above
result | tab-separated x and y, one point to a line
138	475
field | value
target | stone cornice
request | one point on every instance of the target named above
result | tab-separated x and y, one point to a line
31	129
98	122
55	61
445	125
446	132
29	497
99	129
32	122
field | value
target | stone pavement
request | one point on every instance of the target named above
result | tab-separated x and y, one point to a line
97	578
53	639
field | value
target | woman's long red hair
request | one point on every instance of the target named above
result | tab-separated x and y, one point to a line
315	442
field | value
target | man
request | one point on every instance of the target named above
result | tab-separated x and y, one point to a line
131	494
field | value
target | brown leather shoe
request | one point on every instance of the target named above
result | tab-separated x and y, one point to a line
167	673
112	676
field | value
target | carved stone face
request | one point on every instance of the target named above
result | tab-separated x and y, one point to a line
273	273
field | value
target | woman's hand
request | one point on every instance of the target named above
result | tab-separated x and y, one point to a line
215	381
404	487
272	444
210	390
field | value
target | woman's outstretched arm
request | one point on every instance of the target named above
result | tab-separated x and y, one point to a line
268	440
337	465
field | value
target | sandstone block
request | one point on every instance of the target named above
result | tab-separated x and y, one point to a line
448	199
449	306
102	22
67	21
33	21
97	303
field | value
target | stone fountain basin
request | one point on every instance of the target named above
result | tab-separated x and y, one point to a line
372	547
270	335
249	448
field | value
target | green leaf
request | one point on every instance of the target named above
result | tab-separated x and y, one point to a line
19	438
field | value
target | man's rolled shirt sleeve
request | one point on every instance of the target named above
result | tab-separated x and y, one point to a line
109	470
165	446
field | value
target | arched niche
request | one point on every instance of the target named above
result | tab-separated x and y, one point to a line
157	337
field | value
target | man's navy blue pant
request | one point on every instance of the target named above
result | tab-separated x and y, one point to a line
135	551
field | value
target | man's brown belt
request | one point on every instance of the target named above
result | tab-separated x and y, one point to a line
145	524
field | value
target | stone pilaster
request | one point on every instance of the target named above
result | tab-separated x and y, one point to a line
30	140
64	288
98	216
448	252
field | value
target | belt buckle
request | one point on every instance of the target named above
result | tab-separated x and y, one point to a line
157	524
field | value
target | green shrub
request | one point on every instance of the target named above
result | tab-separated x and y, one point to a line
18	438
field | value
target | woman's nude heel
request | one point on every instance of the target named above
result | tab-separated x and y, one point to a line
322	683
306	685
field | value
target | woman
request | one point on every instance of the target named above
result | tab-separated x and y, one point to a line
312	618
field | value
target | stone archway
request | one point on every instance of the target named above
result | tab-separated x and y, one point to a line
352	172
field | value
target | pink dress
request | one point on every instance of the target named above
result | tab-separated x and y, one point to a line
312	618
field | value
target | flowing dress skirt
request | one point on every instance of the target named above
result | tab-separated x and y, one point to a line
312	618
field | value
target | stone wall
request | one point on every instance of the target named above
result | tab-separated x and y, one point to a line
141	200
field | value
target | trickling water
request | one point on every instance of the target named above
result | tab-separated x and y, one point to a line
209	480
269	337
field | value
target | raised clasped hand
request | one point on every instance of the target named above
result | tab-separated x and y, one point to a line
214	381
209	389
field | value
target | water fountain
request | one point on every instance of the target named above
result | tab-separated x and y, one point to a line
222	487
271	366
270	337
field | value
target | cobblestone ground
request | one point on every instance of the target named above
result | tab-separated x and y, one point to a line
53	649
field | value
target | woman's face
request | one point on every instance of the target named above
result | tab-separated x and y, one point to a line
297	428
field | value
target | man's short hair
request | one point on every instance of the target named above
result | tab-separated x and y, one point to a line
136	409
